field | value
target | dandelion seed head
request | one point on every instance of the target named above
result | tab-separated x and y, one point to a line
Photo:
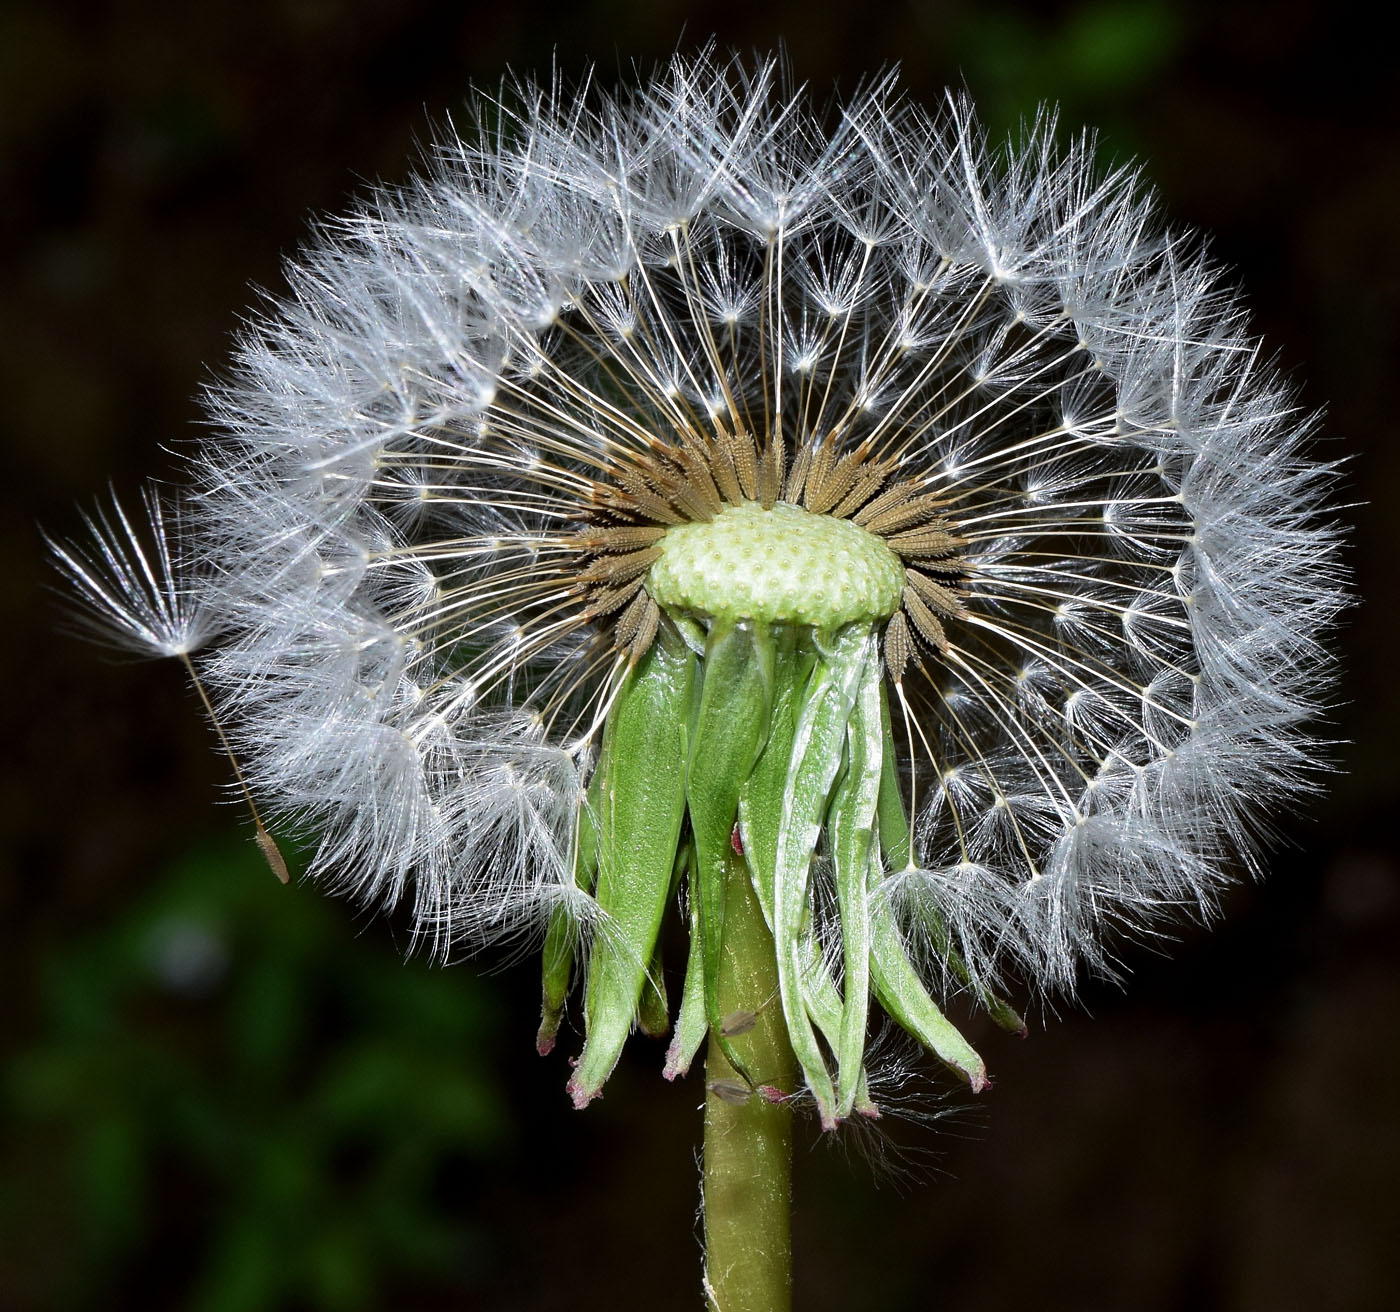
457	466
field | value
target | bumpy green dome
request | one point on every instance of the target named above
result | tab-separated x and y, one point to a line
784	565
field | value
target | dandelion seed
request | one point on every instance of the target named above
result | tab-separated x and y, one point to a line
142	597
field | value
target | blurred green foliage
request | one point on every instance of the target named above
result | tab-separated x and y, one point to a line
1088	62
230	1054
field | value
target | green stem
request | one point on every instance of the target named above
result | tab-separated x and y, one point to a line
748	1140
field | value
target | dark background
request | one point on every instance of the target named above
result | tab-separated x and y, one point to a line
219	1094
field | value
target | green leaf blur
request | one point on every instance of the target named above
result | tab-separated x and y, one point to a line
231	1053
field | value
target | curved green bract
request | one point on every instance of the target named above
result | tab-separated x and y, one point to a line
851	827
640	811
735	704
897	844
817	751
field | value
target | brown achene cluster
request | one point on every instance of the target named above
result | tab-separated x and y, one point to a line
694	479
